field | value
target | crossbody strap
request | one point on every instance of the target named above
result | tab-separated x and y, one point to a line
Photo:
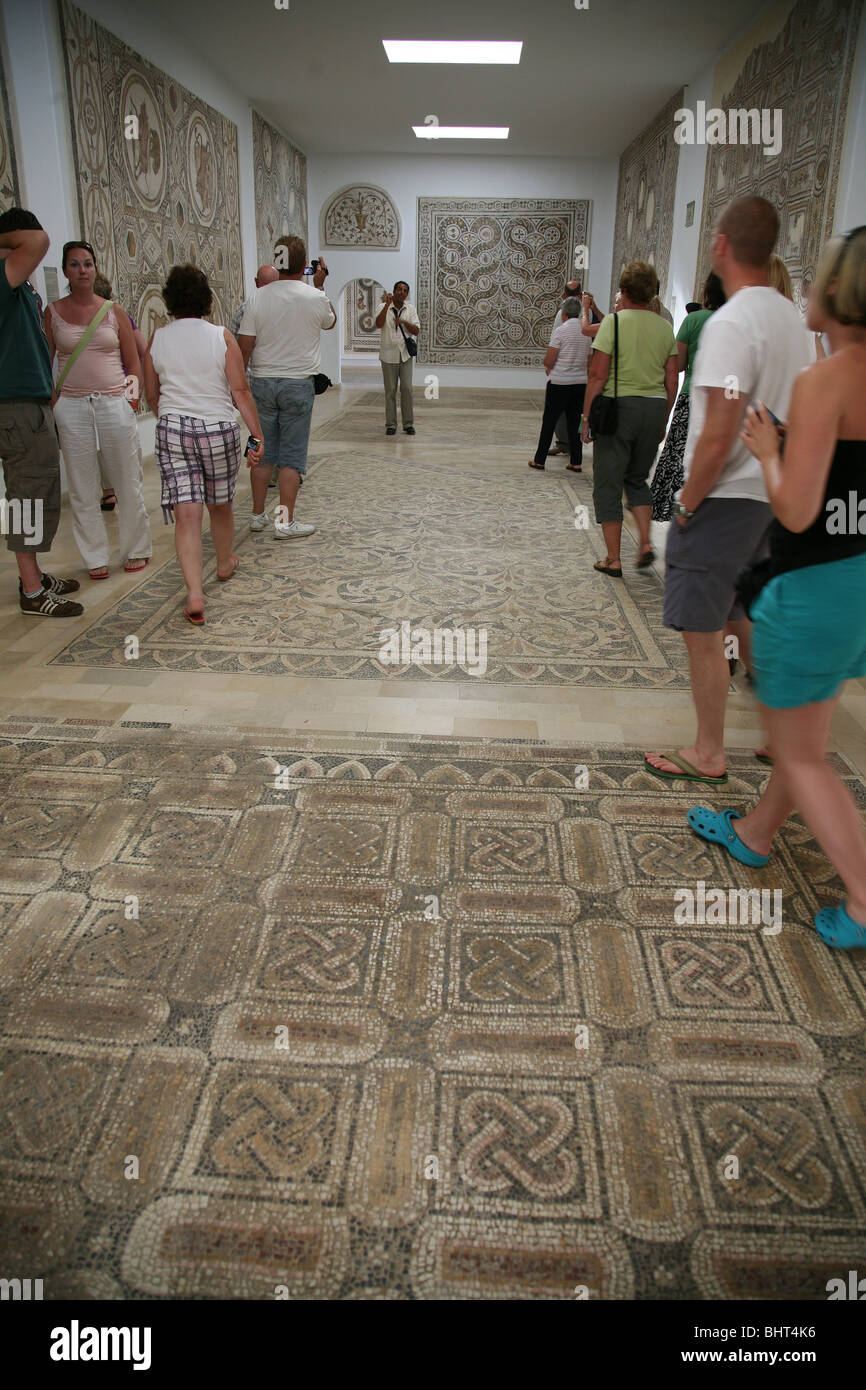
82	342
615	355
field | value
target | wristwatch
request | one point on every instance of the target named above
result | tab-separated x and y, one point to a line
680	510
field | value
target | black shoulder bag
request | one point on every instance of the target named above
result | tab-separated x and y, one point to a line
411	345
603	411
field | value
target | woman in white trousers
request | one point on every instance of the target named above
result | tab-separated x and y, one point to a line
95	414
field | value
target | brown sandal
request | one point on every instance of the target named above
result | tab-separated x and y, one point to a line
539	466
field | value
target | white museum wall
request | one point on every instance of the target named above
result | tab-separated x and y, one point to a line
37	82
443	174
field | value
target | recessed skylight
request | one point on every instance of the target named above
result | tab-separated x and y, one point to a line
461	132
451	51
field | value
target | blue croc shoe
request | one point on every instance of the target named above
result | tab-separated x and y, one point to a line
716	827
836	928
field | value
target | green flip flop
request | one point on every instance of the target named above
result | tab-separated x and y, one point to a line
689	773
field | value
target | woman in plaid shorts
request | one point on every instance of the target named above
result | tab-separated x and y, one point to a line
194	378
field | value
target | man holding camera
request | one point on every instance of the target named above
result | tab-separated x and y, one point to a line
279	339
398	320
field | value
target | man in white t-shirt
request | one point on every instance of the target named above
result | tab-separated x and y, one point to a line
751	349
398	321
565	362
280	341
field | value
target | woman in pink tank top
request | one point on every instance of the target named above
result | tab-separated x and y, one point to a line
95	415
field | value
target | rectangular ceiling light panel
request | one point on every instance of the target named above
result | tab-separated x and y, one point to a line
448	51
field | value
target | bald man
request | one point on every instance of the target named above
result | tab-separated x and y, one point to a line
265	275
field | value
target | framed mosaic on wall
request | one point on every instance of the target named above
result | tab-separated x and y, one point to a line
490	275
363	215
280	173
645	198
805	72
166	197
363	302
10	194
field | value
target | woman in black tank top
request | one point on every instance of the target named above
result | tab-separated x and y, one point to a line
809	633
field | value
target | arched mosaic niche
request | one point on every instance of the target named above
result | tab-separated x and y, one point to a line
362	215
362	305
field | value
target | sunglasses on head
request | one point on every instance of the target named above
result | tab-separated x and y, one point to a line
78	246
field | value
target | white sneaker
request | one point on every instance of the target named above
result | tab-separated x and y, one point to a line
291	530
258	523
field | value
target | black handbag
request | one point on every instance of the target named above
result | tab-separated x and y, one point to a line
411	345
751	581
603	413
321	383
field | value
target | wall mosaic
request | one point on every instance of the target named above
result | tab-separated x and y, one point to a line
10	194
164	198
645	198
806	73
361	215
490	275
363	302
280	173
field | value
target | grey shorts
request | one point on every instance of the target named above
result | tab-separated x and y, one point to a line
704	559
624	460
31	471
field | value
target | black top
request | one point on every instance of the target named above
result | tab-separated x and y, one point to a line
839	530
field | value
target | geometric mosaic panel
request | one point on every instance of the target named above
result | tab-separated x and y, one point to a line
280	172
805	72
10	196
645	198
363	302
490	275
167	195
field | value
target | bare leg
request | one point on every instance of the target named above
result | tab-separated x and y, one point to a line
290	482
643	516
260	477
187	540
799	739
612	532
710	678
222	529
741	628
28	568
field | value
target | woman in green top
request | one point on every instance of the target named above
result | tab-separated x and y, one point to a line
644	382
668	477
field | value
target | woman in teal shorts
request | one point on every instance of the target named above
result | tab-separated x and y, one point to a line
809	633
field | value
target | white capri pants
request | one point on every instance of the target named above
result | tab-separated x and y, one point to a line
88	426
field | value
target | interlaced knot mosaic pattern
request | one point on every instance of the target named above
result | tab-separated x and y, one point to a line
377	1018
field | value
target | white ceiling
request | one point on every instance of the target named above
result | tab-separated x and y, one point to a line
588	82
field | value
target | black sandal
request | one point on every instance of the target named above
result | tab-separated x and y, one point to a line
604	567
645	559
109	500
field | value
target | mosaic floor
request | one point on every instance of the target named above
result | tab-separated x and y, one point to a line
452	532
344	1017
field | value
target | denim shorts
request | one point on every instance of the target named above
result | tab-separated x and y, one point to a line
285	406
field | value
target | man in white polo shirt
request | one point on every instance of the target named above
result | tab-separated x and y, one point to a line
279	339
398	320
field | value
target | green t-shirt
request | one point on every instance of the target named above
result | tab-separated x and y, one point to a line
646	341
690	332
25	358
